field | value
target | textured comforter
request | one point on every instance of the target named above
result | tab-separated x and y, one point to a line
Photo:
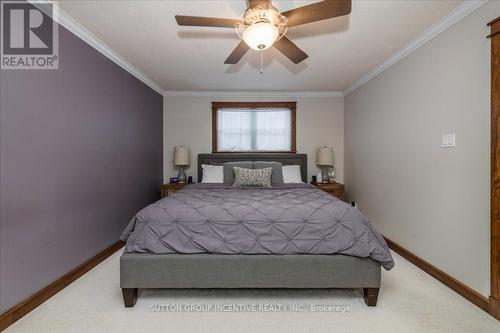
288	219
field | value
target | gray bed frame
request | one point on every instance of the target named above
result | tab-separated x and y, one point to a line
148	270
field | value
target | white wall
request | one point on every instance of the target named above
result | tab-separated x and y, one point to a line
188	121
430	200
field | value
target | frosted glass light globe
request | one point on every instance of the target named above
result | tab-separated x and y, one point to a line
260	36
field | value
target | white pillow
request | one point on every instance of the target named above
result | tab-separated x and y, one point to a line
212	173
291	174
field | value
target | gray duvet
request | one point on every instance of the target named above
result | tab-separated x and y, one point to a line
286	219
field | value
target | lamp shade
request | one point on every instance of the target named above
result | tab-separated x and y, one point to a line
324	156
181	156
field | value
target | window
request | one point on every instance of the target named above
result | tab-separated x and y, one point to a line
253	127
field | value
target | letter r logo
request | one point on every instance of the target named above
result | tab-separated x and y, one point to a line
26	29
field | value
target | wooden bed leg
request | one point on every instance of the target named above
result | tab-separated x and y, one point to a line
371	296
129	296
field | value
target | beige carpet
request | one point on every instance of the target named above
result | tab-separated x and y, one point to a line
410	301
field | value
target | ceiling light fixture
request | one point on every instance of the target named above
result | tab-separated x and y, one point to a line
260	36
261	28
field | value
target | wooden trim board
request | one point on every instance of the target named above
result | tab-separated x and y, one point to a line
495	169
29	304
494	28
441	276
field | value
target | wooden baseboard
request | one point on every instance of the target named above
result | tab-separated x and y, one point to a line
23	308
441	276
495	307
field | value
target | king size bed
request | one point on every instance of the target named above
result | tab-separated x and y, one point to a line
221	236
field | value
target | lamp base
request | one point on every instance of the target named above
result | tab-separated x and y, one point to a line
325	174
181	177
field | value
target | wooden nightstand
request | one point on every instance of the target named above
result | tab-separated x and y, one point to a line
335	189
169	188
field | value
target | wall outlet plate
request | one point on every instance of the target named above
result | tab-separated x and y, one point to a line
448	140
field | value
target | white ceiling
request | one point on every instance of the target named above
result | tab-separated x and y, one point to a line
341	50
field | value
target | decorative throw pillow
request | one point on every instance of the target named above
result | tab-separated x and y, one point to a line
252	177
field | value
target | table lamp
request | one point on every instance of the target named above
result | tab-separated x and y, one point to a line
324	158
181	159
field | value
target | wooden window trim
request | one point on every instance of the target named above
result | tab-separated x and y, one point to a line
255	105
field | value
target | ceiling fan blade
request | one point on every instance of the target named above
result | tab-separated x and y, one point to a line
200	21
289	49
264	4
317	11
237	53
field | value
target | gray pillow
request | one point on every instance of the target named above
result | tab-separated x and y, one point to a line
228	170
252	177
277	176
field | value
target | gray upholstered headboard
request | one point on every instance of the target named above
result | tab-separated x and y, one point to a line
284	158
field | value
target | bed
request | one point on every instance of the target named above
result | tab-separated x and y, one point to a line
218	236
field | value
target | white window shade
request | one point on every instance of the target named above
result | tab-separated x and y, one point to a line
254	130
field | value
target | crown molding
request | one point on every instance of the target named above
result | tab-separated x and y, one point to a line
65	20
249	93
457	14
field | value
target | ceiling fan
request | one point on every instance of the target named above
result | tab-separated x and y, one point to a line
264	26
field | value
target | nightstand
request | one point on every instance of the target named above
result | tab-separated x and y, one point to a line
169	188
335	189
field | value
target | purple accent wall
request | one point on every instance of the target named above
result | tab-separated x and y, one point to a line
80	154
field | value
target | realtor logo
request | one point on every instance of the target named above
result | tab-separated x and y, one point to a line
29	35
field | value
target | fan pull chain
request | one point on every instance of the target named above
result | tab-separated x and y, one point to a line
261	61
